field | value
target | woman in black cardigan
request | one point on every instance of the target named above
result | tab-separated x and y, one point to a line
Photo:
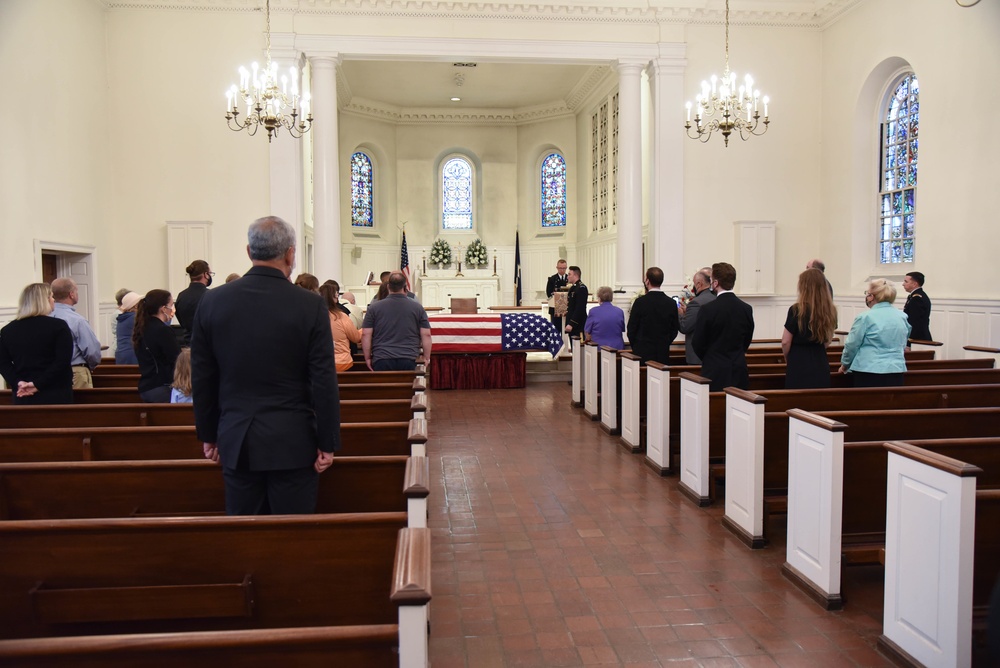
36	351
155	345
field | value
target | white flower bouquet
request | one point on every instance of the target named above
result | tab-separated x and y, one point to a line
441	252
475	254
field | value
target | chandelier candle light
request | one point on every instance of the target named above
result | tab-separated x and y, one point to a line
736	108
264	100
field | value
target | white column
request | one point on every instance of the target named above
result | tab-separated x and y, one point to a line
629	269
285	157
326	169
666	224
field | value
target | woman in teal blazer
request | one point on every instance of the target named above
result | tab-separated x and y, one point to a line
873	352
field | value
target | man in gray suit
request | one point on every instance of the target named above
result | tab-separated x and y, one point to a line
689	313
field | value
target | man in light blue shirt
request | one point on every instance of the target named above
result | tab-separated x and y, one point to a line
86	347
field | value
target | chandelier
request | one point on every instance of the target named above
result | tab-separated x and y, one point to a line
723	107
264	100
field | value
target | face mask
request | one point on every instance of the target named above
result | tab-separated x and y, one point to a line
209	283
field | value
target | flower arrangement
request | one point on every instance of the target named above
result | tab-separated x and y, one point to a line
687	294
476	255
441	252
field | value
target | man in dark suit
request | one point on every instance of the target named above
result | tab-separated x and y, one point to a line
266	400
187	301
917	307
652	323
556	281
689	312
576	305
724	332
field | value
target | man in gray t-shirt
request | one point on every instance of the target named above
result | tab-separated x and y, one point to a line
395	329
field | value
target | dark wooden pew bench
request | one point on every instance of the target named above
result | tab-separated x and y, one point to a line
77	490
145	443
161	415
169	575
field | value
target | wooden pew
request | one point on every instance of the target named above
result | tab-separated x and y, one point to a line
935	599
591	380
611	385
77	490
130	395
353	378
632	386
372	646
170	575
156	415
145	443
757	455
815	479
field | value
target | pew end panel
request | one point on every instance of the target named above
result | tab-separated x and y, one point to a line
633	395
927	616
591	381
745	466
411	591
577	382
658	418
815	490
416	436
610	390
694	475
416	489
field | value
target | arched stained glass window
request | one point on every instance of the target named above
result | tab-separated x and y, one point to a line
898	173
554	191
362	199
456	194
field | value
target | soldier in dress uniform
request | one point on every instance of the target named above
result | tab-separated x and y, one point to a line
556	281
917	307
576	308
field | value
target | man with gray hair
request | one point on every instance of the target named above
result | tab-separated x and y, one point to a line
266	401
86	346
688	313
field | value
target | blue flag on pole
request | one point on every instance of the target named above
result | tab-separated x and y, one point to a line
517	268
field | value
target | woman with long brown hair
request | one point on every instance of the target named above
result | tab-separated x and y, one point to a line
344	331
808	331
155	345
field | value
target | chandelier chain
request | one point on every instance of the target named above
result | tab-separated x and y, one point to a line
267	28
727	36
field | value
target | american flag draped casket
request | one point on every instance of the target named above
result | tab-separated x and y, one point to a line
494	333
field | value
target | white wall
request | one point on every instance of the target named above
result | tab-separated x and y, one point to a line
54	166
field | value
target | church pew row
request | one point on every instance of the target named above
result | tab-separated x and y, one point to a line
662	383
78	490
157	415
934	600
372	645
362	376
95	577
703	434
837	498
180	442
348	392
757	460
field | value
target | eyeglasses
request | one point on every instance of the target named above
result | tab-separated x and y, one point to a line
210	273
867	294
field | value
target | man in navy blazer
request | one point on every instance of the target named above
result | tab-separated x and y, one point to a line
652	322
266	401
723	333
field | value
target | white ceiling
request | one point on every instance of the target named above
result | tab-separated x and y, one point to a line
485	86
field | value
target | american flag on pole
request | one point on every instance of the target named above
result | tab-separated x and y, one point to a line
494	333
404	262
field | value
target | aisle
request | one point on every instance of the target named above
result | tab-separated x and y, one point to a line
555	547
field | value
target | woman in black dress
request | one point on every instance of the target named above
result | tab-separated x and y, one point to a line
36	351
155	346
808	331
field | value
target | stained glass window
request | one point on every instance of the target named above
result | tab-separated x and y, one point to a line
554	191
898	173
456	194
362	210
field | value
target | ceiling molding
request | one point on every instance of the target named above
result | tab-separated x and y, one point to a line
431	116
587	85
791	13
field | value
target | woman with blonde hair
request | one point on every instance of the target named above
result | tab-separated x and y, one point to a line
36	351
344	331
808	331
873	352
180	391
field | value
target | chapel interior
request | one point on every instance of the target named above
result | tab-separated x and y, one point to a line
118	169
